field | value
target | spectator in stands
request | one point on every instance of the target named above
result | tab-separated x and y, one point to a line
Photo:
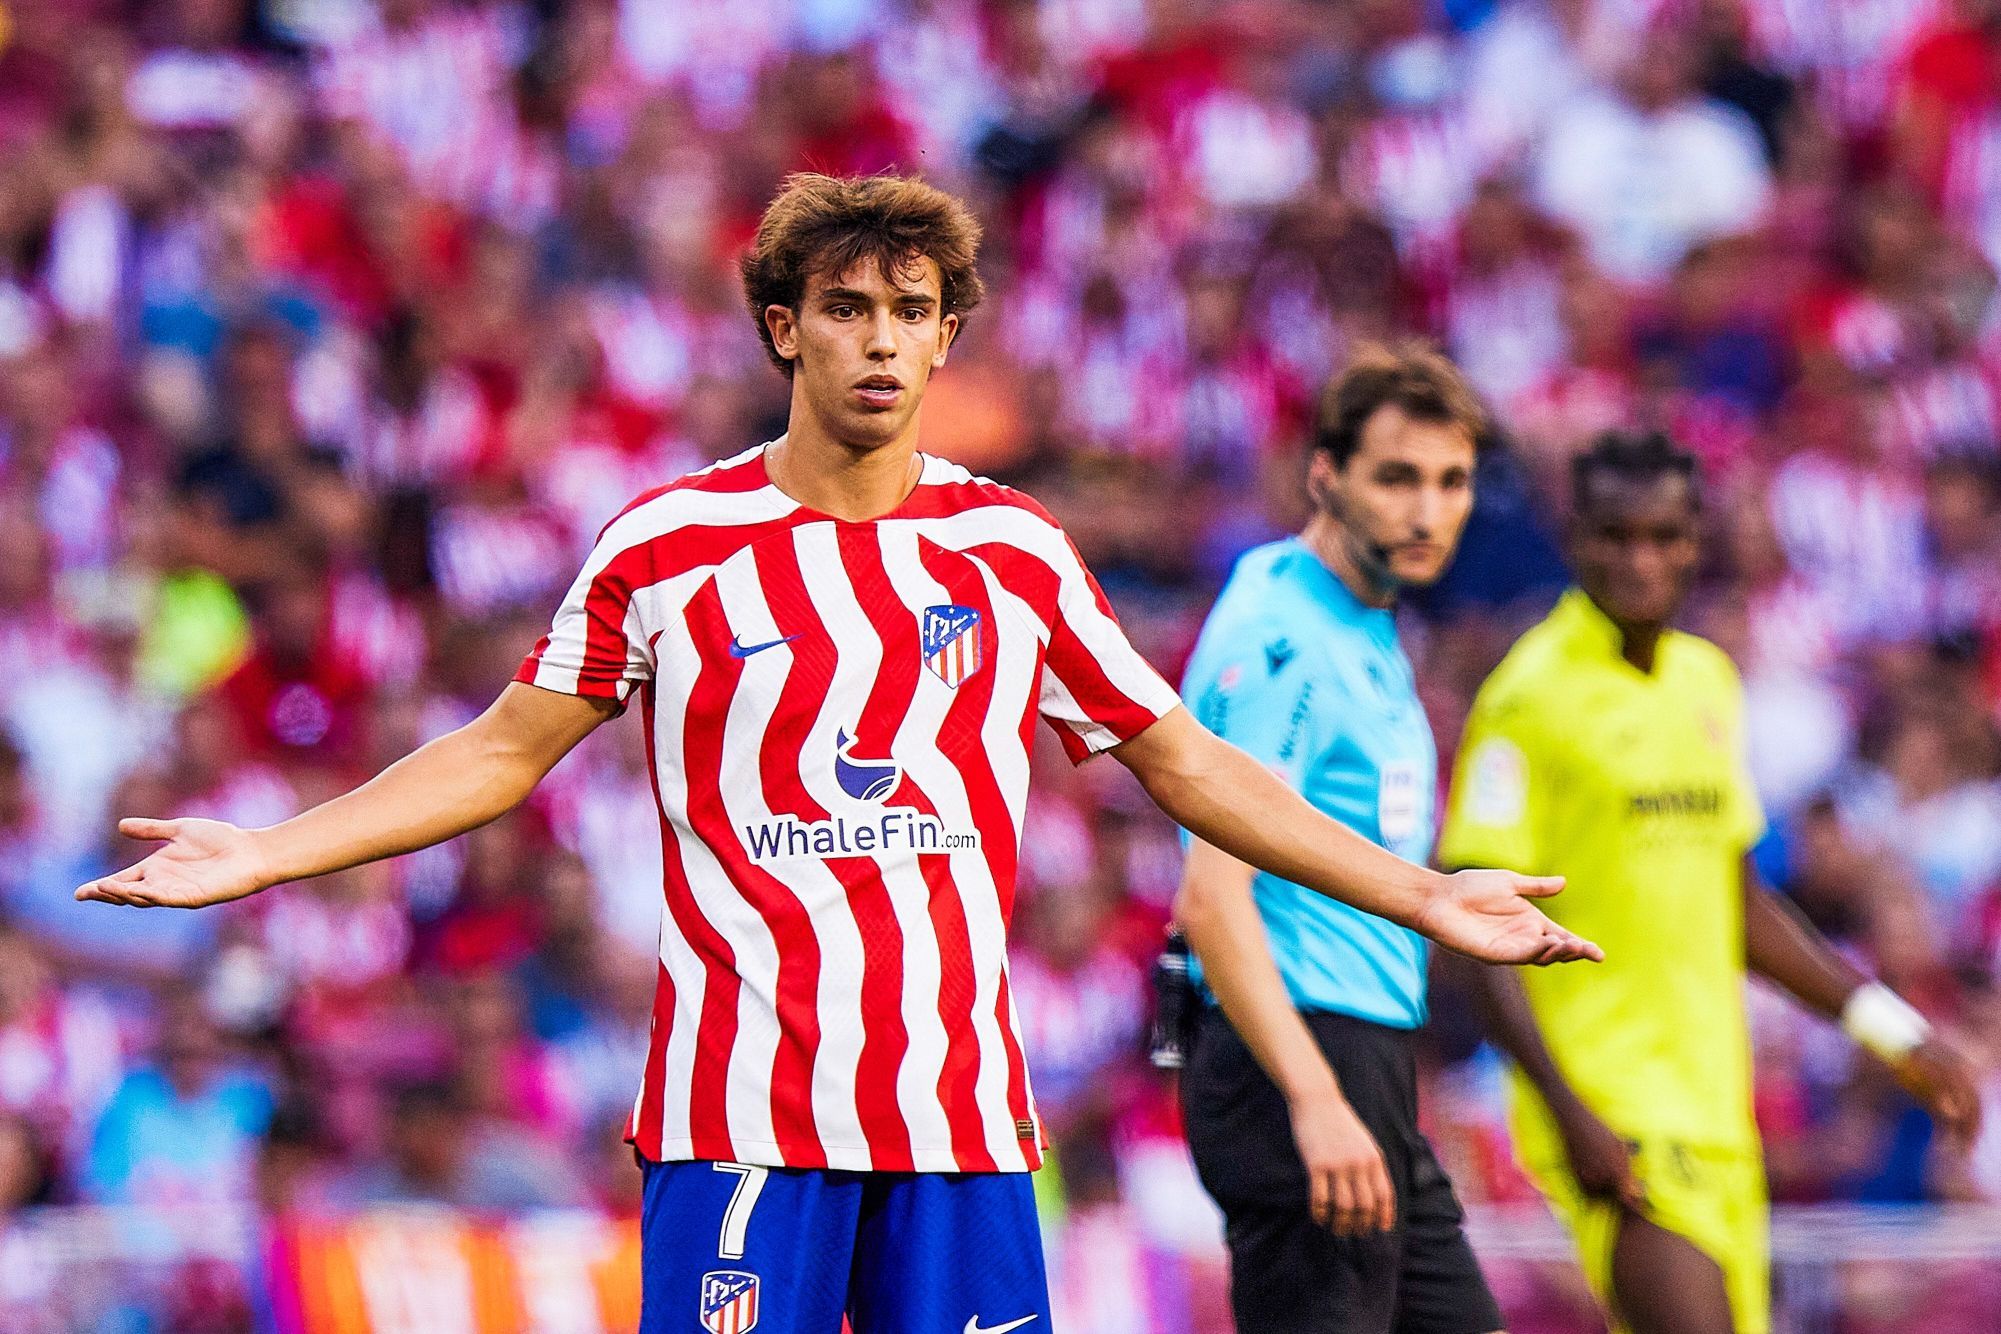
1649	167
435	1155
27	1168
182	1129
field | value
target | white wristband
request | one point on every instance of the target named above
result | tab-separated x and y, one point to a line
1882	1022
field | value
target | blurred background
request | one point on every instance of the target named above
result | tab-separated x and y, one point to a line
332	330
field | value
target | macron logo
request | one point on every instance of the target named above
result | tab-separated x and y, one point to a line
739	649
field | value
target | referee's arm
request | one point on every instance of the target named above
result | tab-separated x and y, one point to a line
1349	1185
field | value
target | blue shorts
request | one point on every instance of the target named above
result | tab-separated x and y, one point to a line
727	1247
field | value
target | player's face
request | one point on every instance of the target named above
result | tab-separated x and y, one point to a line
863	345
1636	546
1403	496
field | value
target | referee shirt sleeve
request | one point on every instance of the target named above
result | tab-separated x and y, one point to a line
596	646
1097	689
1493	817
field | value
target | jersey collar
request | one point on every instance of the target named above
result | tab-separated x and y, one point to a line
1592	631
1335	595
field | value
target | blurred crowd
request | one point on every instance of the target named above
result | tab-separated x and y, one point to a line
332	330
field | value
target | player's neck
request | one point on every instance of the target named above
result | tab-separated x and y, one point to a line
822	473
1329	539
1639	642
1640	645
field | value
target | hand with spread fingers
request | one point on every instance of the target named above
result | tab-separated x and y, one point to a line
1489	915
202	862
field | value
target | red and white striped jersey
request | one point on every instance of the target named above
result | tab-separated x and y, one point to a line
839	718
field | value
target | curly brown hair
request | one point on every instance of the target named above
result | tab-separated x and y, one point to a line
828	224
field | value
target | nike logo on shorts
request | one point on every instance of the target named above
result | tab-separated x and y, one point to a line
739	649
973	1326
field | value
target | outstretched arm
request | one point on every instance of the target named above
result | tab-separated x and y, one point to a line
1781	947
455	783
1226	798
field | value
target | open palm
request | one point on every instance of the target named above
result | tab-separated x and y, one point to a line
203	862
1488	915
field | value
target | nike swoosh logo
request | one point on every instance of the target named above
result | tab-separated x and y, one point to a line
973	1326
739	649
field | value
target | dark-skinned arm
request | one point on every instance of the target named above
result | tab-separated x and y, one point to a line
1600	1160
1784	949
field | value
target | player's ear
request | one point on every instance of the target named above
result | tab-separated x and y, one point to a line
782	322
1320	476
948	329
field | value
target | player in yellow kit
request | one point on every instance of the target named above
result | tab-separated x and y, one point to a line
1607	748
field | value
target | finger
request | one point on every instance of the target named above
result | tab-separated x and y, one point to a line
1344	1205
139	827
1320	1197
1556	949
124	895
1576	949
1631	1193
1386	1197
1538	886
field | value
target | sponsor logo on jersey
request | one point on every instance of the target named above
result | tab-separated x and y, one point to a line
894	831
864	780
952	642
729	1301
1668	802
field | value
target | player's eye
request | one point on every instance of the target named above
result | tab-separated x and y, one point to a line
842	312
914	314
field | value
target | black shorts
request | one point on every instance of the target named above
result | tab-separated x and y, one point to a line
1288	1274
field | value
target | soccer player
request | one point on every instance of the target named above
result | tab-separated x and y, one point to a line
840	648
1608	747
1299	1093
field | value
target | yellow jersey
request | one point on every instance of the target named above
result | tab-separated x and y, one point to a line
1633	786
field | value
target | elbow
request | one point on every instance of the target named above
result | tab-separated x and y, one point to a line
1196	907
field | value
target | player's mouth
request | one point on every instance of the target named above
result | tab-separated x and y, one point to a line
879	392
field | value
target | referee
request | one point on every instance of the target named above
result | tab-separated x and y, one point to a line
1299	1093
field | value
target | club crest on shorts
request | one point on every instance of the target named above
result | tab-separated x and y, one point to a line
729	1301
951	638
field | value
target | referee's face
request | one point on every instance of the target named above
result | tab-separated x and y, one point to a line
863	345
1402	497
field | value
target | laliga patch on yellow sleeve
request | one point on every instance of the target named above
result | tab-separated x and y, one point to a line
1497	783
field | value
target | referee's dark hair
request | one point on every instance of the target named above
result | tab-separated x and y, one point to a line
1638	458
1411	376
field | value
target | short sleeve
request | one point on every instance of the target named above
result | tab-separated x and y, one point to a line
1267	699
1492	817
596	646
1097	689
1747	812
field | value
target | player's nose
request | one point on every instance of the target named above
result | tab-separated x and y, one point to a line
881	343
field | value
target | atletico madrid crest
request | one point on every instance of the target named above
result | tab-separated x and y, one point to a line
952	647
729	1301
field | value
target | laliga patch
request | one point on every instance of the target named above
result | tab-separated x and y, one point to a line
1397	802
729	1301
951	637
1497	779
